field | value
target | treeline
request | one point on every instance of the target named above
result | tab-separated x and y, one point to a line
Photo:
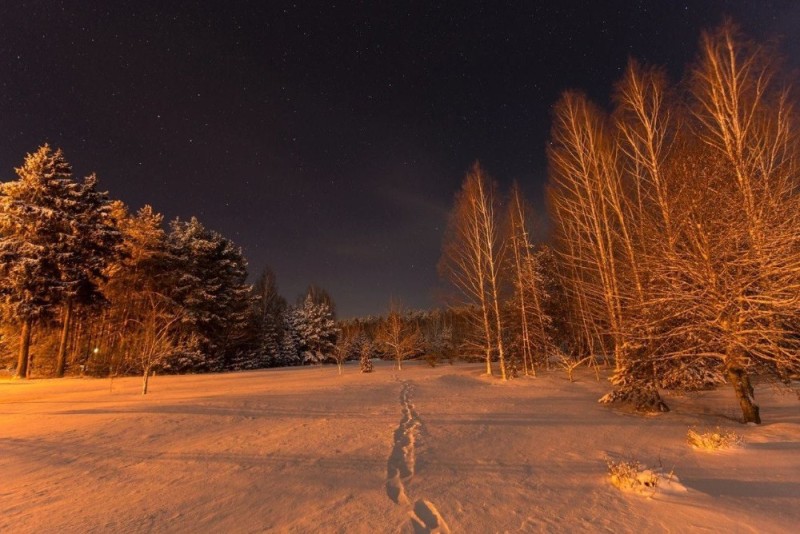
676	233
438	335
87	286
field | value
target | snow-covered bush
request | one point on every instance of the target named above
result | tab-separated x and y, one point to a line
630	475
713	440
366	363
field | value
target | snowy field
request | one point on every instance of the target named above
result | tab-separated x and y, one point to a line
420	450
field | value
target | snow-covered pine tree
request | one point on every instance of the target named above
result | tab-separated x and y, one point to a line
85	252
266	320
365	355
33	225
210	285
289	344
320	295
315	329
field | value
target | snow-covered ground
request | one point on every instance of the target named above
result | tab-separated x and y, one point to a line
306	450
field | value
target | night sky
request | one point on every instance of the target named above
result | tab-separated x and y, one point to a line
327	139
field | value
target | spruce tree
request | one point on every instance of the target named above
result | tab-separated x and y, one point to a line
315	329
289	348
266	320
365	355
34	225
90	244
210	284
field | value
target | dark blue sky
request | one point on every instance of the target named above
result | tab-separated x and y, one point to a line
327	139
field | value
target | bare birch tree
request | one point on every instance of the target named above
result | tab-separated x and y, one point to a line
472	257
158	337
745	119
528	285
678	230
345	346
597	227
399	337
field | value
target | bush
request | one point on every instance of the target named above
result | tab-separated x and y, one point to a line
630	475
366	363
713	440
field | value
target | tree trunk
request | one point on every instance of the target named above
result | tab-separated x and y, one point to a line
488	333
744	392
62	346
145	381
24	349
339	365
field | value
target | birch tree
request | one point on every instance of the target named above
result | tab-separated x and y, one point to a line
158	337
400	338
677	222
529	292
745	119
472	258
597	228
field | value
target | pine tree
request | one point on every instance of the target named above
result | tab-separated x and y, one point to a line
34	223
266	320
90	245
320	295
141	271
315	330
365	355
210	285
289	347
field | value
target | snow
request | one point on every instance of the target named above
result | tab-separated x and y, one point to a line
417	450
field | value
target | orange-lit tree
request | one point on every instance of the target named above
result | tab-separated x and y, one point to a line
678	223
472	258
526	278
399	337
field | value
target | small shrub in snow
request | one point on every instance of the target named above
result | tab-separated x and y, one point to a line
713	440
630	475
365	357
366	364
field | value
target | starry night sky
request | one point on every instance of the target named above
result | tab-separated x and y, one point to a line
326	138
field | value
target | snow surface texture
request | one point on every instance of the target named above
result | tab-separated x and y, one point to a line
419	450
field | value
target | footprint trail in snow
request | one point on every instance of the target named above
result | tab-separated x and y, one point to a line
425	518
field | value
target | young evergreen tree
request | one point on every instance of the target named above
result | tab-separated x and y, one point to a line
315	330
366	350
